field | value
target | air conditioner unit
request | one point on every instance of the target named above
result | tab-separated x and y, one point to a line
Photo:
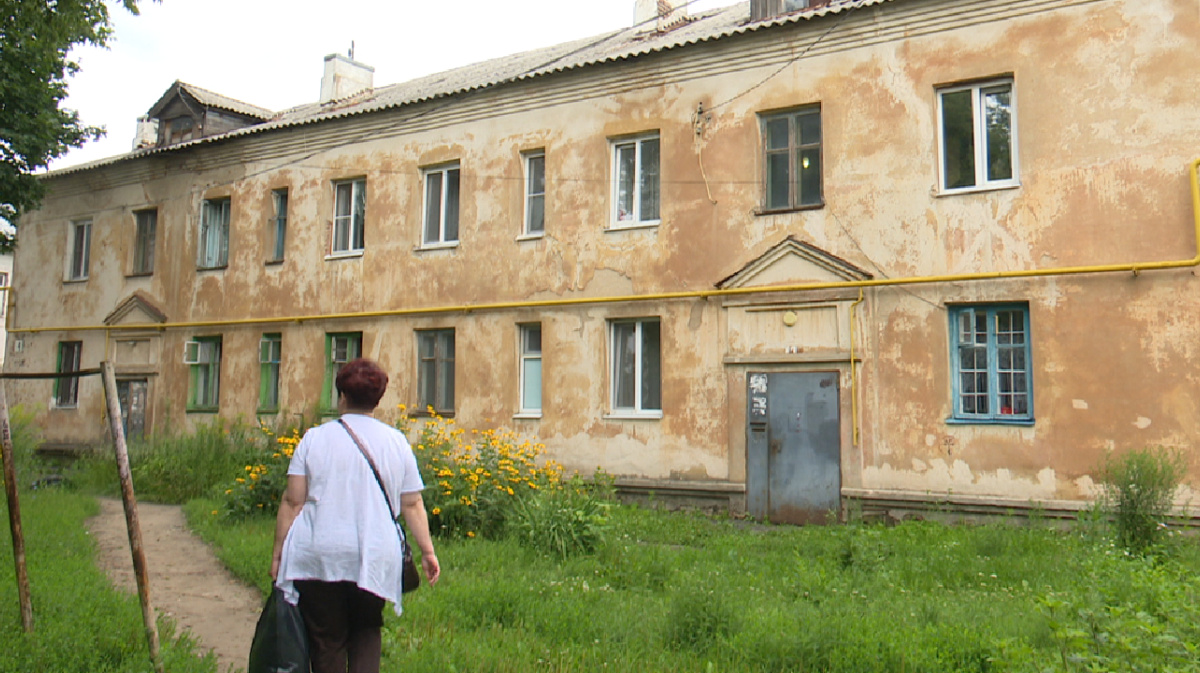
198	352
269	351
340	350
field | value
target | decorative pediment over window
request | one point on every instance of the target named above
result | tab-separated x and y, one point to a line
793	262
136	309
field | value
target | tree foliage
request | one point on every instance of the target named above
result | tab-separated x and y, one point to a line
36	37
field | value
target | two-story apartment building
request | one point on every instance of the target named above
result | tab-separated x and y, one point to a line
775	254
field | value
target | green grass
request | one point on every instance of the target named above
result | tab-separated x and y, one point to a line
80	622
682	592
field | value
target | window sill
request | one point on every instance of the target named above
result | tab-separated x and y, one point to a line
784	211
528	415
74	281
616	226
202	410
350	254
990	420
427	247
212	268
274	262
993	187
139	274
267	412
426	414
633	415
65	407
532	237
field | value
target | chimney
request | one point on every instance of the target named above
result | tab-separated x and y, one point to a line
146	134
344	77
666	14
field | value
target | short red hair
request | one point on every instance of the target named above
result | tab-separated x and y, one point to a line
362	382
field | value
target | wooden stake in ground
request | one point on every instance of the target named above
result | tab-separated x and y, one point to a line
14	514
131	517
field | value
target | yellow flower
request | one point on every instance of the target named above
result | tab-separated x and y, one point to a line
214	512
248	468
437	511
470	533
228	491
240	480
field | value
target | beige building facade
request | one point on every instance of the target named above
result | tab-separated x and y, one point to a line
878	251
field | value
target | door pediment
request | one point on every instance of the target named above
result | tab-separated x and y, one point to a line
136	309
793	262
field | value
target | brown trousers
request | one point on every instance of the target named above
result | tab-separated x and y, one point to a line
343	625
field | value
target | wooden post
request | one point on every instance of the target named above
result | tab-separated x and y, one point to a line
14	514
131	515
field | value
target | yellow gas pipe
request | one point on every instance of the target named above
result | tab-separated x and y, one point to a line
1134	268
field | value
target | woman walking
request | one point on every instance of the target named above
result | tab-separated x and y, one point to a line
337	552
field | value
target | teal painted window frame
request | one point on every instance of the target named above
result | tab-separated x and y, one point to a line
270	354
334	361
278	227
204	379
1002	384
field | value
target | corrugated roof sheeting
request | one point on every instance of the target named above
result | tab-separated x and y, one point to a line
624	44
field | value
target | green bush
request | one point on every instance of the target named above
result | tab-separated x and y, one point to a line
698	620
561	522
1138	492
25	439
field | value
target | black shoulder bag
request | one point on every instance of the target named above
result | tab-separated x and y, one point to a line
410	579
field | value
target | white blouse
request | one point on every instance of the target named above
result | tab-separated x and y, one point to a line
344	532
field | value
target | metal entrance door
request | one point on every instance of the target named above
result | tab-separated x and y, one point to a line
132	395
793	446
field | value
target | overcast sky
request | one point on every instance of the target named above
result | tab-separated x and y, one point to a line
271	52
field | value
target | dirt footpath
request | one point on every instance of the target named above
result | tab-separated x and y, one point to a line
187	582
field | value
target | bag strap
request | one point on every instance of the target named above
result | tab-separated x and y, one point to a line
374	470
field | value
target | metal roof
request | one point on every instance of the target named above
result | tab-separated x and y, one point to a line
624	44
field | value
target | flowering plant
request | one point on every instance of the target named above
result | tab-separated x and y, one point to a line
474	480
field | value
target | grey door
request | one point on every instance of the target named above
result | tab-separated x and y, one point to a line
793	446
132	395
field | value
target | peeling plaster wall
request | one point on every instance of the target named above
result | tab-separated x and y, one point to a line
1106	126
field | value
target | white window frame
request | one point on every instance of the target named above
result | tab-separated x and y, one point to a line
533	196
348	234
531	368
640	407
635	219
79	246
270	355
212	241
443	239
978	91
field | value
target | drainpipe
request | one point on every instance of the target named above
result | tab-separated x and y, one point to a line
1133	267
853	376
